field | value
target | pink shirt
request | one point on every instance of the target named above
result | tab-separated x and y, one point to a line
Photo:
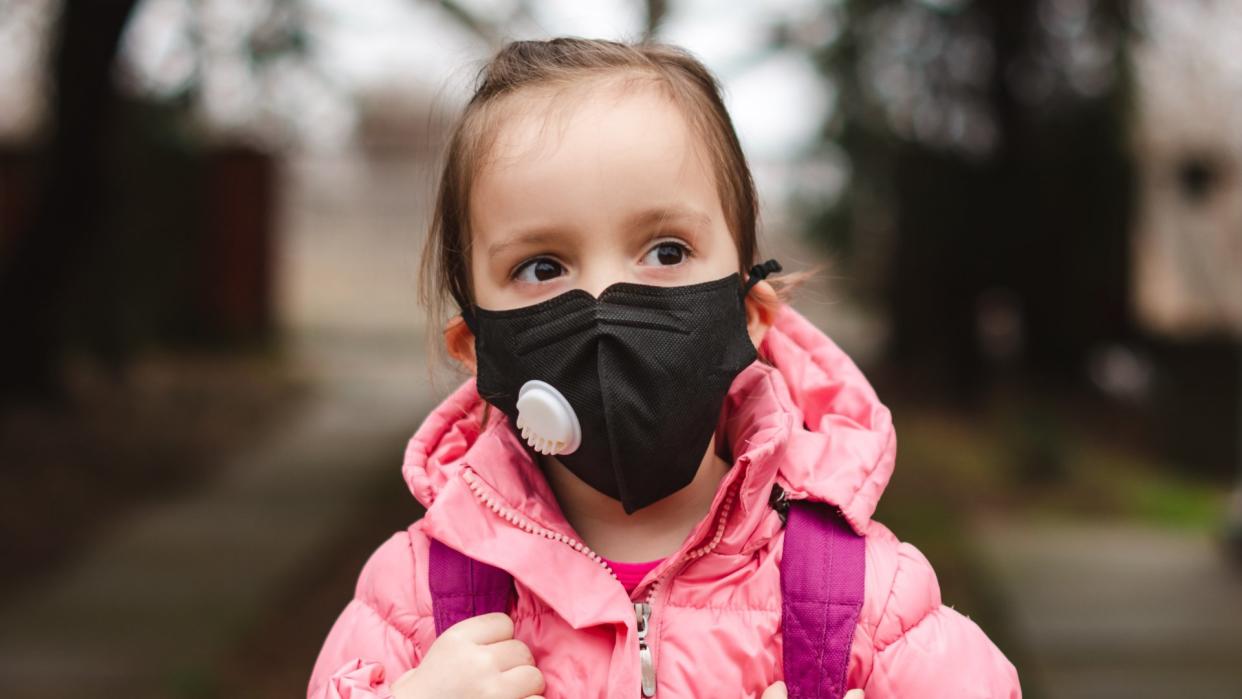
630	574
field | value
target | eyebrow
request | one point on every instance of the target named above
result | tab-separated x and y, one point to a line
535	236
659	214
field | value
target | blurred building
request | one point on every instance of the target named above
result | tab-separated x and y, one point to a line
1188	144
1187	239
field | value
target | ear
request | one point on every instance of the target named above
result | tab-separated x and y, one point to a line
762	304
460	342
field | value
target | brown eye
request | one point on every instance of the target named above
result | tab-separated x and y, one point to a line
539	270
666	254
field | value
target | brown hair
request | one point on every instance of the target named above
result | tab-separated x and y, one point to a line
556	64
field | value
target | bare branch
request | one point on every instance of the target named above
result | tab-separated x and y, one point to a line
485	30
656	9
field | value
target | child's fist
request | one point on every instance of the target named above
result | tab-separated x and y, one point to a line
474	658
778	691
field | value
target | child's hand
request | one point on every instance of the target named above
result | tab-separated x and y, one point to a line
778	691
477	657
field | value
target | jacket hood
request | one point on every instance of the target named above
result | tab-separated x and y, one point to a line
806	419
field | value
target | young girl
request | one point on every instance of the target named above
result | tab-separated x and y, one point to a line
642	408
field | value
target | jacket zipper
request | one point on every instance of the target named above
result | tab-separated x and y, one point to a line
517	520
642	610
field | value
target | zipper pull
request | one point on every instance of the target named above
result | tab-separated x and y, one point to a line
779	501
642	610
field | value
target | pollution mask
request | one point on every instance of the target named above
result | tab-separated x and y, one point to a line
625	389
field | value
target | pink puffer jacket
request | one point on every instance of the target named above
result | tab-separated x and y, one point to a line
809	421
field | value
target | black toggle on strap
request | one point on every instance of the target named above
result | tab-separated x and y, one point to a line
758	272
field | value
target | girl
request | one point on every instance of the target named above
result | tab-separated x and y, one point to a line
642	406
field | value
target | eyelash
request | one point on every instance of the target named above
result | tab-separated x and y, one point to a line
517	271
686	251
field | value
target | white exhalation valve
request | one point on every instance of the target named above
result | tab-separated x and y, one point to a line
547	421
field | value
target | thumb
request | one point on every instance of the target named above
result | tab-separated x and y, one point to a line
854	694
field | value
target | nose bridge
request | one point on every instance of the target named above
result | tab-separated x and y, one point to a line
601	271
594	284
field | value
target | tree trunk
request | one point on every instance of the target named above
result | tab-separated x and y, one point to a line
66	218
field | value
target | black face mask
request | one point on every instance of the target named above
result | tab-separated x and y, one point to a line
626	389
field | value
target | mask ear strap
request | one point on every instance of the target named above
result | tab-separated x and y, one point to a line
758	272
467	315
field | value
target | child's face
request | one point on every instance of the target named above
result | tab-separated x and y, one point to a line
621	193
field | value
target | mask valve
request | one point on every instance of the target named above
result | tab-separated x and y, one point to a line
547	420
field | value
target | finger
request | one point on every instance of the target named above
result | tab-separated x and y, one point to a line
522	681
854	694
510	654
776	691
483	629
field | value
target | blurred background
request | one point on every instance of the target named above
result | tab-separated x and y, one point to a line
1030	213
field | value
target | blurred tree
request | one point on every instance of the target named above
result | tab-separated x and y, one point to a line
989	198
147	224
37	268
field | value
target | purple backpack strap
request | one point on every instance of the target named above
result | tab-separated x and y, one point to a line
822	572
462	587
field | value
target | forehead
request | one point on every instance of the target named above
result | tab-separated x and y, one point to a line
596	150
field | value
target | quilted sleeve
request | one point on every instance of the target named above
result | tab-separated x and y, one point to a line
909	644
383	631
944	655
922	648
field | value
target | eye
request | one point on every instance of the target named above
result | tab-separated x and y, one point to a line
666	254
540	269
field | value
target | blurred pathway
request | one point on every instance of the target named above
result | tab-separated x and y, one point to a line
149	610
1120	610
